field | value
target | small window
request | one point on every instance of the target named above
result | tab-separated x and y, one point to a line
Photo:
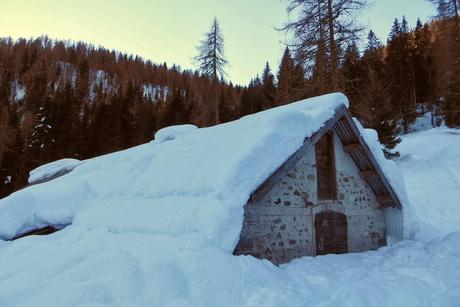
325	167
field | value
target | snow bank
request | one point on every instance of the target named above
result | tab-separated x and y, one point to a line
430	162
53	169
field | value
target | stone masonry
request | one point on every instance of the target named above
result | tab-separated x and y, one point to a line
280	227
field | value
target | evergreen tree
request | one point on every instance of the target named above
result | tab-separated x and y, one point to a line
285	78
268	88
368	87
400	70
373	43
422	62
352	72
290	85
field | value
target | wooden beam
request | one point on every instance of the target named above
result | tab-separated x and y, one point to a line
352	147
266	186
371	158
369	173
385	200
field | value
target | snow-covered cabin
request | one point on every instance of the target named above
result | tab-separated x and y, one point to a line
330	196
300	179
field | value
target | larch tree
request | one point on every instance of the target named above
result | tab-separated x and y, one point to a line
321	30
447	8
211	60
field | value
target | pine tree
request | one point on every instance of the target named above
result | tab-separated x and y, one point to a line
268	88
400	70
290	85
422	64
352	71
373	43
370	92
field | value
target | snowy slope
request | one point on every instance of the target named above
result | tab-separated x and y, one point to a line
142	239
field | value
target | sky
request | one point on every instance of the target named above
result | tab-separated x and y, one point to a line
170	30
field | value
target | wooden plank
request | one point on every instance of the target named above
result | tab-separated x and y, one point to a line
343	114
385	200
371	158
352	147
268	184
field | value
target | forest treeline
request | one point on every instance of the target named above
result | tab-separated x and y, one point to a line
61	99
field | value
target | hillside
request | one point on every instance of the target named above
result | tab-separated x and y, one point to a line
160	233
61	99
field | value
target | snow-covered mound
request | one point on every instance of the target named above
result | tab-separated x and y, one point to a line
53	169
172	132
150	228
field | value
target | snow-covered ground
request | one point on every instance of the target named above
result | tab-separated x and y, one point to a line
141	239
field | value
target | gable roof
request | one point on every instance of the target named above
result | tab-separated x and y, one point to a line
195	182
345	127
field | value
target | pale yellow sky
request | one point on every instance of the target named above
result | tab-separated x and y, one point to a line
169	30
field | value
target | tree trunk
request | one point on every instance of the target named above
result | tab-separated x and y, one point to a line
333	56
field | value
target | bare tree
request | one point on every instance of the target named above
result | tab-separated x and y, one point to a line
321	29
446	8
210	59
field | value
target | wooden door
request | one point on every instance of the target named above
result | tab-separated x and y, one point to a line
331	233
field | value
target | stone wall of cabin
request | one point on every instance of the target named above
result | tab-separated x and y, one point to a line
280	227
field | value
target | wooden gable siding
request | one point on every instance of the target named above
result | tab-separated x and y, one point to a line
325	167
346	129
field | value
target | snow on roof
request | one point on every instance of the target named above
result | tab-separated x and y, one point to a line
193	186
